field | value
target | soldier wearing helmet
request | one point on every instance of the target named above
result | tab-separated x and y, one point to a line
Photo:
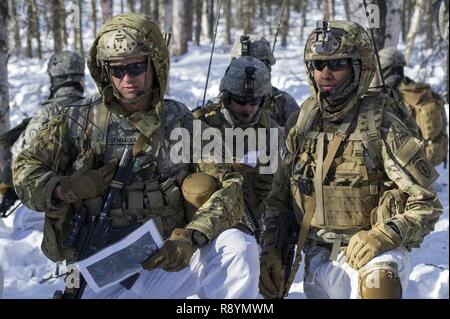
66	72
423	104
279	104
244	89
357	180
73	159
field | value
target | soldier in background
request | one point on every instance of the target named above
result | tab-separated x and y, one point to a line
356	178
424	105
280	105
244	90
72	161
66	72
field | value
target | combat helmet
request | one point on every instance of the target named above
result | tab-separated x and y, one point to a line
65	69
340	40
130	35
392	63
246	77
254	46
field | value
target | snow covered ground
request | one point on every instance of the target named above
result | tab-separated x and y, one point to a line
26	268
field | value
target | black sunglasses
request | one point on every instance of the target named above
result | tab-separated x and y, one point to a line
244	100
135	69
333	65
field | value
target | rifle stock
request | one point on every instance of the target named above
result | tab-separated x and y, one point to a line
286	240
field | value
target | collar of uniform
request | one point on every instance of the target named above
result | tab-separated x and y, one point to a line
148	122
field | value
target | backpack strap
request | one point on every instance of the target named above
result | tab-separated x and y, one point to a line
369	121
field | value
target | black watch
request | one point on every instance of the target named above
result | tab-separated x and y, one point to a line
199	239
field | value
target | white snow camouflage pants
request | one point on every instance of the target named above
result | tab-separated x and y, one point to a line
227	268
326	279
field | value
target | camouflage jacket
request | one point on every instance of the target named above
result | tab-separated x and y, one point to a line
414	212
61	97
256	186
60	144
280	105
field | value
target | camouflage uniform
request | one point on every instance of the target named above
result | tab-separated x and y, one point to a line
280	105
217	114
423	104
97	130
66	71
377	180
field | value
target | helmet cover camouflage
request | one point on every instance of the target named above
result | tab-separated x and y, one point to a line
246	76
65	63
254	46
139	35
341	40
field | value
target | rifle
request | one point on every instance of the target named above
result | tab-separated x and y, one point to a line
286	239
99	233
8	200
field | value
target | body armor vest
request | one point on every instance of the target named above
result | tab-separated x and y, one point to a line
347	195
256	187
154	190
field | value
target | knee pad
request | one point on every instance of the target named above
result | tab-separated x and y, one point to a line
380	281
197	189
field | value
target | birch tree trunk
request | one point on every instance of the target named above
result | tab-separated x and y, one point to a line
29	30
146	7
16	27
393	27
106	10
198	20
205	22
58	33
285	23
210	11
227	13
247	16
4	88
36	28
131	6
94	17
78	30
168	15
155	10
429	24
189	23
179	23
347	9
414	29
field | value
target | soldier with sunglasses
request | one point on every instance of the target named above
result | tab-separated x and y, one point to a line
356	178
71	166
244	89
279	104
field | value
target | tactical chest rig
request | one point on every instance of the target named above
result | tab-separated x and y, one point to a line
336	172
256	186
154	188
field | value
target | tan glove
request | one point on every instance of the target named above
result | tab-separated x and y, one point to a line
271	278
87	184
175	254
365	245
